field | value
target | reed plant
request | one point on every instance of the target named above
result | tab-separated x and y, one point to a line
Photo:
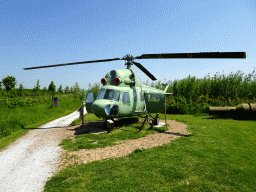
192	95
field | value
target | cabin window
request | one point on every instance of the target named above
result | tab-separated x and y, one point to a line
141	96
112	94
153	98
135	96
101	93
126	98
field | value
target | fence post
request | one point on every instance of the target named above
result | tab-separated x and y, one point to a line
83	104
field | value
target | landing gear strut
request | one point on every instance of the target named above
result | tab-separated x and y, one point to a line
155	121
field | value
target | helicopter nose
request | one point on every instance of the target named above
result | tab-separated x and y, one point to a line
111	109
102	108
98	109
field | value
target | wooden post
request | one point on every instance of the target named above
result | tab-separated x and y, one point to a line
82	115
83	112
165	106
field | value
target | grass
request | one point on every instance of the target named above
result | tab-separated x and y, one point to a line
126	129
16	122
219	155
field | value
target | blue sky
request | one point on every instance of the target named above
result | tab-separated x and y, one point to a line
35	33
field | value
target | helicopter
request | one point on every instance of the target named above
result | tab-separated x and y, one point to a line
124	95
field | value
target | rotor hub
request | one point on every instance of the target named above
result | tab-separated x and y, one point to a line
128	57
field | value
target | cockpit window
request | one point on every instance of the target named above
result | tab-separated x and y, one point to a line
112	94
100	95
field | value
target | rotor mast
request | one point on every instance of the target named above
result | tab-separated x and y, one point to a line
129	58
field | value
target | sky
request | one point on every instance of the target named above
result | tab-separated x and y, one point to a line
36	33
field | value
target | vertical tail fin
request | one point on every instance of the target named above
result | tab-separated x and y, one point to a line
166	88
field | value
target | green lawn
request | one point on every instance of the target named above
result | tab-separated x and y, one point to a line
219	155
16	122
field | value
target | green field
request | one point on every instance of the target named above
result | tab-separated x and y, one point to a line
17	120
218	155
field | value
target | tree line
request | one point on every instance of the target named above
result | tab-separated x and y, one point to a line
190	94
9	83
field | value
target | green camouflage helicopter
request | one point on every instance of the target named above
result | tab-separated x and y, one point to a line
123	94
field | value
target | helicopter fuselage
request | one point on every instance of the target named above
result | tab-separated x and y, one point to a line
123	95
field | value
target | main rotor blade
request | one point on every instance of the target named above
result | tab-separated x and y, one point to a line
216	55
144	70
76	63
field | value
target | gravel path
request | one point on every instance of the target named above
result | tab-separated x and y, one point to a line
176	130
31	160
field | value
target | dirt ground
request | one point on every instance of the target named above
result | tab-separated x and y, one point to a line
176	130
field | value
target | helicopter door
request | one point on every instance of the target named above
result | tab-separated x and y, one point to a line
135	100
154	102
89	101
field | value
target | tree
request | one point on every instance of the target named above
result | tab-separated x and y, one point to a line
75	89
52	88
60	89
66	89
95	88
37	87
0	87
20	91
44	90
9	83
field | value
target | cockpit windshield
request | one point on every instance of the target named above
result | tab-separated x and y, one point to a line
112	94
